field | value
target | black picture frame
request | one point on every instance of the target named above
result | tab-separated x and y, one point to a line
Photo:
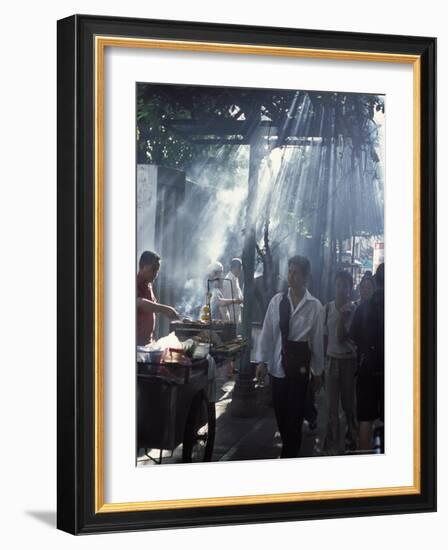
76	475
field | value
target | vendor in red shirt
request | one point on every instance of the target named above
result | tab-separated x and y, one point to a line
147	306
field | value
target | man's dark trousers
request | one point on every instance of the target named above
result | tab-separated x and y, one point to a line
288	398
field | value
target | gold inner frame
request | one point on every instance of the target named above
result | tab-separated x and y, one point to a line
101	42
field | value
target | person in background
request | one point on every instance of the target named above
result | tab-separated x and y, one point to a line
366	288
147	306
367	331
291	350
233	290
340	364
219	305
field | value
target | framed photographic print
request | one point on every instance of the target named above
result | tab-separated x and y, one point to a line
246	274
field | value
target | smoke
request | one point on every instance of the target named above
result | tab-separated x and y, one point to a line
310	194
214	216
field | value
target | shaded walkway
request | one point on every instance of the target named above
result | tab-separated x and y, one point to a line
247	438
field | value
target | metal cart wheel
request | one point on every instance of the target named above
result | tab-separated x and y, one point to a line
199	436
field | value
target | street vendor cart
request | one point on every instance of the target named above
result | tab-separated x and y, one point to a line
176	394
175	405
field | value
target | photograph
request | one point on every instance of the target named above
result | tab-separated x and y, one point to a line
229	219
231	201
259	266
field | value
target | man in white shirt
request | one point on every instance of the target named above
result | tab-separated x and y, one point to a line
232	290
290	349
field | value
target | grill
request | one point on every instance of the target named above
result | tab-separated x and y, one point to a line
224	330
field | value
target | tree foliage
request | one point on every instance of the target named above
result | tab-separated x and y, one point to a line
328	114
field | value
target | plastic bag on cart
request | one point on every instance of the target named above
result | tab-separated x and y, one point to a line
170	341
155	351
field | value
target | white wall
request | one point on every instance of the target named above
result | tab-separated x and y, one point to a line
28	273
146	207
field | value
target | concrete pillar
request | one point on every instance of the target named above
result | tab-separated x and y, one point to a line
244	396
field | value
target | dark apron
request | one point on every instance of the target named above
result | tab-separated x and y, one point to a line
296	359
296	356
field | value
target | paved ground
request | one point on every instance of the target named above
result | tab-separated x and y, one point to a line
247	438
